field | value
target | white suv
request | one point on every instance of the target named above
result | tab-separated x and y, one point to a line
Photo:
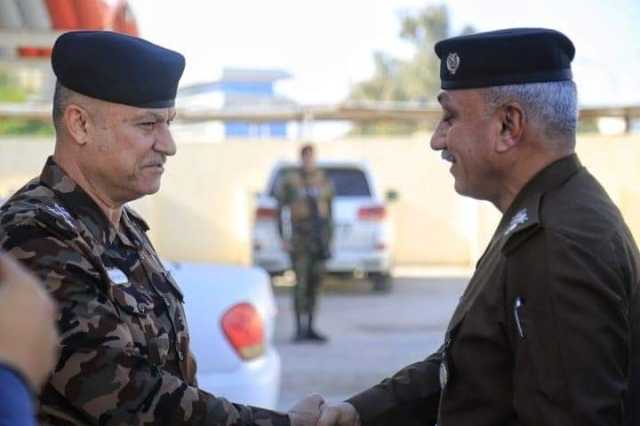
362	231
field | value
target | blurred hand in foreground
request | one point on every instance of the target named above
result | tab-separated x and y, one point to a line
307	411
342	414
28	334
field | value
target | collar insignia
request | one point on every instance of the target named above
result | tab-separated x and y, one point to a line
517	219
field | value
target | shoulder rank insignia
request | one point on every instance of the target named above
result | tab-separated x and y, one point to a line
59	211
517	219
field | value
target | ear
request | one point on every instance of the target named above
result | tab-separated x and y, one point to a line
78	123
512	122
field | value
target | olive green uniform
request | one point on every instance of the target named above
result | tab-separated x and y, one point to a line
547	331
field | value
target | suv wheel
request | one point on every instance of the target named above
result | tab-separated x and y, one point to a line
381	282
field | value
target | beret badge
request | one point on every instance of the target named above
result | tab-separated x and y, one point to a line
453	62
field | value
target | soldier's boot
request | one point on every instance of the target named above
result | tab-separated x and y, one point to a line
313	335
301	332
312	297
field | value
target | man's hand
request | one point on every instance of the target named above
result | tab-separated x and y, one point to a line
342	414
307	411
28	334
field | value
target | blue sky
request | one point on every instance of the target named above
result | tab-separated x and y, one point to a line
327	45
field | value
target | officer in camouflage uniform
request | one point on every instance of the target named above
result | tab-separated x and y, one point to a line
125	357
304	198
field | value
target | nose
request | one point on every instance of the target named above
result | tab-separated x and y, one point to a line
165	143
438	140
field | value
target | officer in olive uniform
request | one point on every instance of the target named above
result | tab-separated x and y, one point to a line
125	357
548	330
304	199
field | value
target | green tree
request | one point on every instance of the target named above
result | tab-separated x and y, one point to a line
9	91
414	80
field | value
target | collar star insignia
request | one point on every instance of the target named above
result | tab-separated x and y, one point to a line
517	219
453	62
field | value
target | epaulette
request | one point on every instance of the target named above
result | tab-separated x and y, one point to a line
25	210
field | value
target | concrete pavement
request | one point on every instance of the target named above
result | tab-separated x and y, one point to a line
372	335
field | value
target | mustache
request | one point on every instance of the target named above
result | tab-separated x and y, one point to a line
446	155
158	161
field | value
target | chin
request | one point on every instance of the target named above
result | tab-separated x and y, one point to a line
148	189
152	190
464	190
154	185
469	192
459	187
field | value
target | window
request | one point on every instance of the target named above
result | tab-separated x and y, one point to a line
348	182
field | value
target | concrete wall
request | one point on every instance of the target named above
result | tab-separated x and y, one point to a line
205	208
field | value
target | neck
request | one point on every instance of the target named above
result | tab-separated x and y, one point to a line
522	172
111	208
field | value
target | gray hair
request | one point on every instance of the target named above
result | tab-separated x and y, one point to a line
554	105
61	99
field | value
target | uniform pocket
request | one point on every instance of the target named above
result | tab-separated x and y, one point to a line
131	300
538	376
136	310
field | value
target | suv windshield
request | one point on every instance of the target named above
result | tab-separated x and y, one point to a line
348	182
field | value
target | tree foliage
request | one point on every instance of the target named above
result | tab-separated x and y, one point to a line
12	92
415	80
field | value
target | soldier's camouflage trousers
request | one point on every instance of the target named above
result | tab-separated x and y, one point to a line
309	271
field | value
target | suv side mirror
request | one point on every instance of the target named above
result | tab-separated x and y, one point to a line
391	195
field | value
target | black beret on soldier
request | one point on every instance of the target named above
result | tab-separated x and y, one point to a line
117	68
511	56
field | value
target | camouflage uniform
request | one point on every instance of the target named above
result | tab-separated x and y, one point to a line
125	356
304	200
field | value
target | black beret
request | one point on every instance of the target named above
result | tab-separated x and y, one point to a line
117	68
511	56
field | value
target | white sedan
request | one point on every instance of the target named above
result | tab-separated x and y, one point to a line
231	313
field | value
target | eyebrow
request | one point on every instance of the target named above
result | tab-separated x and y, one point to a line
442	97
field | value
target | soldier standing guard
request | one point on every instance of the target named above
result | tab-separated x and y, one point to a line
125	357
305	199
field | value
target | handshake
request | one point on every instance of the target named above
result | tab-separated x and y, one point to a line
313	411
